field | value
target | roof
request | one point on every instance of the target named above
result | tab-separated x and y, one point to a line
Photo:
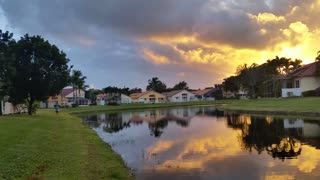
137	95
203	91
307	70
66	92
172	93
101	95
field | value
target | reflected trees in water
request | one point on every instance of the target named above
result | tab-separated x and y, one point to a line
264	134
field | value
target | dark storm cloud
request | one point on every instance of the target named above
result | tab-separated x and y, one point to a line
104	37
221	21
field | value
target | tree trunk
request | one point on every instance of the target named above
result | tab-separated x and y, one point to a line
0	107
30	103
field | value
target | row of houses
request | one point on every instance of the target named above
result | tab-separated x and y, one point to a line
66	98
155	97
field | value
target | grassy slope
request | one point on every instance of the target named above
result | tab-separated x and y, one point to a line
285	105
141	106
53	146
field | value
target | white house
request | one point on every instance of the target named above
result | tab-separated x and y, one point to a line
179	96
8	108
125	99
101	99
207	94
67	97
301	80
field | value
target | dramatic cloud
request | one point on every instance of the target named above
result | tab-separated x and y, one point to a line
125	42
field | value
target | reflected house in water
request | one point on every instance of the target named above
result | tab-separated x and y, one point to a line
286	138
201	142
157	119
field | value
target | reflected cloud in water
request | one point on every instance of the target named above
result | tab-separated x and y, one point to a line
204	143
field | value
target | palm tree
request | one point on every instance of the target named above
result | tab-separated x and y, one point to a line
318	57
77	81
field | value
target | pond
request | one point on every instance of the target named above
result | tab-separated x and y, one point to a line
204	143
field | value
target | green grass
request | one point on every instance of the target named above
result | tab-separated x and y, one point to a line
294	105
50	146
141	106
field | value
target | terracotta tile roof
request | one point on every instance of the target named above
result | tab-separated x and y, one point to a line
306	70
203	91
137	95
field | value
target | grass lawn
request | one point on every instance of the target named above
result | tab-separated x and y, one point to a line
296	105
50	146
142	106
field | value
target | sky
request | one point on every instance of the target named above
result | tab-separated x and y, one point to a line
126	42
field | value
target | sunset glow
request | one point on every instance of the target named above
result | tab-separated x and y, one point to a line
204	39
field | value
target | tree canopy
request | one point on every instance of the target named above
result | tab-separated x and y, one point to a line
38	69
182	85
253	78
155	84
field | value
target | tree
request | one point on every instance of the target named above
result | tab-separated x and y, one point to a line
231	84
41	71
6	66
77	81
182	85
318	56
318	63
92	93
135	90
155	84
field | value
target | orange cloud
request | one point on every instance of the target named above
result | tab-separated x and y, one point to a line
153	57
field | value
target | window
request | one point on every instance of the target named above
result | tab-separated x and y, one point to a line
177	97
297	82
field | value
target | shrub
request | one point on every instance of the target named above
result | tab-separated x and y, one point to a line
112	104
318	91
309	93
75	105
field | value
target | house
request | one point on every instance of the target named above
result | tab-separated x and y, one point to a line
205	94
301	80
8	108
101	99
228	94
147	97
125	99
179	96
67	97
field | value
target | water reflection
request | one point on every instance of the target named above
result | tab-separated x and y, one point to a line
204	143
157	119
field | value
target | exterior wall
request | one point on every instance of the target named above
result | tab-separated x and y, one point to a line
8	108
305	84
125	99
100	102
228	94
159	98
80	95
289	92
179	98
308	83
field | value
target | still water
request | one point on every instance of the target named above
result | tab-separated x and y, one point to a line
203	143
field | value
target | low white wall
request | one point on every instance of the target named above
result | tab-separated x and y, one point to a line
287	92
